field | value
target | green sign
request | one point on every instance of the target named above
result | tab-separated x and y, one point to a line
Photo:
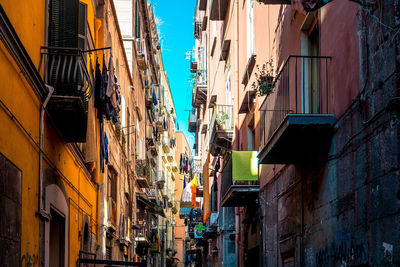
244	166
199	230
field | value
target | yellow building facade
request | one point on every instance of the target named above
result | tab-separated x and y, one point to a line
50	175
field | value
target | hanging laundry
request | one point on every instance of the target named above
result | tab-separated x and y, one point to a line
111	81
102	146
97	84
154	97
106	147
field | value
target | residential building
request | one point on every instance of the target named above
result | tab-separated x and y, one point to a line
49	138
182	148
155	127
80	168
293	82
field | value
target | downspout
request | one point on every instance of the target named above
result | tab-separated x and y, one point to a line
43	214
42	211
238	136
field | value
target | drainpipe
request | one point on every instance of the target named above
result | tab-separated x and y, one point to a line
42	212
237	228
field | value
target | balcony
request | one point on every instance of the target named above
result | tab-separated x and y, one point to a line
141	53
165	144
141	173
197	29
200	88
67	73
149	135
295	124
112	210
161	180
170	157
193	61
192	124
239	184
218	9
220	133
149	98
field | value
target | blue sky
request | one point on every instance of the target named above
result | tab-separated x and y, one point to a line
177	38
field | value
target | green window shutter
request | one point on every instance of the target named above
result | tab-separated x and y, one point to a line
63	18
82	26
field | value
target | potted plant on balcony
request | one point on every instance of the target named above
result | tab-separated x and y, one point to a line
220	119
264	82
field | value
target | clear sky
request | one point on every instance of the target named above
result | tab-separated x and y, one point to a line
176	31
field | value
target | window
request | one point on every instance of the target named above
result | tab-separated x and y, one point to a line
137	20
250	139
250	28
67	24
311	75
112	184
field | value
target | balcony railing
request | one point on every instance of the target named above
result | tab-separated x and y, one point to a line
193	60
142	173
141	53
192	125
65	69
221	128
200	88
300	98
301	87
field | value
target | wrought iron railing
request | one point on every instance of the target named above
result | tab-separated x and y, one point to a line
192	123
221	120
201	77
65	69
301	87
141	46
141	168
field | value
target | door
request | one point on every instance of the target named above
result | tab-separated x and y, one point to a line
229	107
57	239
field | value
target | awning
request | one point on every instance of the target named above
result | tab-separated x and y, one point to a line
184	212
153	207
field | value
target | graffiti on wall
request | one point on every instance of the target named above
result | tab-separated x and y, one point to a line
343	250
30	260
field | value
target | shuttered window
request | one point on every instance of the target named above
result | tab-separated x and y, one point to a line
67	23
137	20
82	26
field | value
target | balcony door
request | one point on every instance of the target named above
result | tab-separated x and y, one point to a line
228	124
310	70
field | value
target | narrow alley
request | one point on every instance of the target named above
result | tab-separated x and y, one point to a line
213	133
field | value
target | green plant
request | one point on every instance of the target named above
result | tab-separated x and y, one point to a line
221	117
264	83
